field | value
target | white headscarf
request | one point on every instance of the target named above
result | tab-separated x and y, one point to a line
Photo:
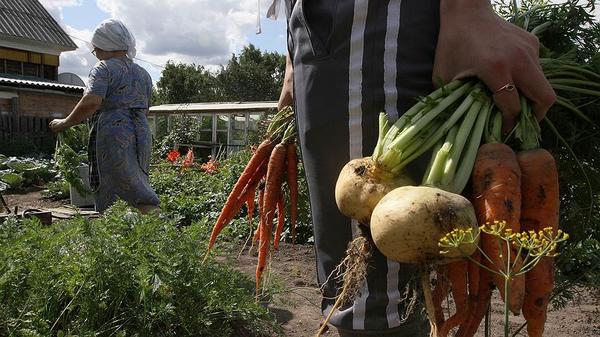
112	35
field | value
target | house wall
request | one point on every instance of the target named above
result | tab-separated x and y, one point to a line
40	104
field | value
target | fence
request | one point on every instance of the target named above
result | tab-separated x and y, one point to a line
25	134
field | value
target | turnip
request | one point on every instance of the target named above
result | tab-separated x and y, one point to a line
364	183
407	224
360	186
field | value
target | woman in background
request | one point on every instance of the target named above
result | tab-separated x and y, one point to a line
116	101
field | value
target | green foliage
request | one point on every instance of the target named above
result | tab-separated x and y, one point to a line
253	75
57	190
68	160
25	172
184	83
125	274
193	195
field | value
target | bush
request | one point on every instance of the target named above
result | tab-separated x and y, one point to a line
124	274
194	195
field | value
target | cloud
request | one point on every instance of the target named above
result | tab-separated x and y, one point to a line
199	31
55	6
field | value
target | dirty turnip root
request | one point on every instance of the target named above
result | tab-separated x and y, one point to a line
360	186
408	223
364	183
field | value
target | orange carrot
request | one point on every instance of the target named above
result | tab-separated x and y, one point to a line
497	196
540	209
478	306
457	274
230	208
250	203
280	220
292	180
272	191
263	252
261	194
273	182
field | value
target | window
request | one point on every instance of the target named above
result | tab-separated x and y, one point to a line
50	73
14	67
31	69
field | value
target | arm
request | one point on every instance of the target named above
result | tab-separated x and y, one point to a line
82	111
475	41
287	91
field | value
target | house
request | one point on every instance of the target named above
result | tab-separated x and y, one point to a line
212	128
31	92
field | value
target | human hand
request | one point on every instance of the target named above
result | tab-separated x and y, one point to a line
58	125
475	41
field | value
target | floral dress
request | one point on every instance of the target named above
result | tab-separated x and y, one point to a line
120	139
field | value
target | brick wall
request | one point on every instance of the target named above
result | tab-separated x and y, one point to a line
5	105
45	104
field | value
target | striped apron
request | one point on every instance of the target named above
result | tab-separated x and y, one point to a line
352	60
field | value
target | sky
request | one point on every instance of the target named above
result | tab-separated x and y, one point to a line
204	32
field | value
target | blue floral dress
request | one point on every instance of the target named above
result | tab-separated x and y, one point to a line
120	139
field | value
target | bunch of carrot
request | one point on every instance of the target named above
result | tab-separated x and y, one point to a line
274	160
522	189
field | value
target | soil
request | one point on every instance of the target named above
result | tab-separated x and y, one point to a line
31	198
296	302
297	306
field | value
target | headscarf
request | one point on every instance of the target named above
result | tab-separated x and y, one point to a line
112	35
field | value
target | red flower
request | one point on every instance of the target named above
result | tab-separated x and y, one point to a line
172	156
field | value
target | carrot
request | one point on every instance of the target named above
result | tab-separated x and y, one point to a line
261	194
271	196
292	180
478	305
540	209
263	252
497	196
280	220
230	208
457	274
273	182
250	204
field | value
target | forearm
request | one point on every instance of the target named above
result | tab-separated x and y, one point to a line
286	96
448	6
86	107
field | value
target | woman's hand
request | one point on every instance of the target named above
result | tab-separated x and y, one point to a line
58	125
474	41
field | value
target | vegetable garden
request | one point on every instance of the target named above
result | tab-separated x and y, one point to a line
156	275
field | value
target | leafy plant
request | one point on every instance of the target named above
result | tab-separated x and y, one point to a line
195	195
68	160
123	274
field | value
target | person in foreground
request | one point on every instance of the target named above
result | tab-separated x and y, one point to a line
116	102
351	59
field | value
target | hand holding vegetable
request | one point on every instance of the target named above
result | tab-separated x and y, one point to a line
59	125
475	41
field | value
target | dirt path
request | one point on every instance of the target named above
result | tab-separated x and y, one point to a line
32	199
297	306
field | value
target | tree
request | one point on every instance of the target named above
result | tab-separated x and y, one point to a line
251	76
184	83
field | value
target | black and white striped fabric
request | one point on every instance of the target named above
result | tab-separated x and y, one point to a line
352	60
